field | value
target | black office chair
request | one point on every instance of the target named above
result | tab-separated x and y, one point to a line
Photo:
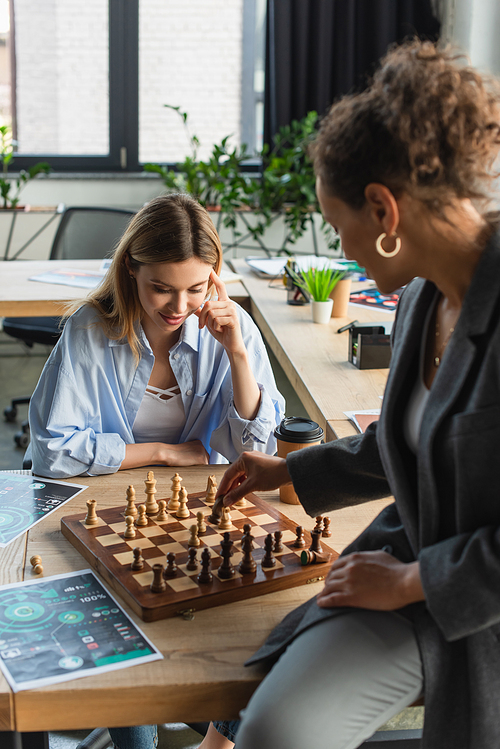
83	233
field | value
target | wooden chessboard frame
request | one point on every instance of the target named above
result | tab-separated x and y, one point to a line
113	560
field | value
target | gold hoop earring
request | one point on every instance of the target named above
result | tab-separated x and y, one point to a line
380	249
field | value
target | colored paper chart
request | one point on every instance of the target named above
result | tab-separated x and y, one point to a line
373	298
64	627
25	500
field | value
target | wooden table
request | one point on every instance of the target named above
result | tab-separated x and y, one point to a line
201	676
314	357
20	297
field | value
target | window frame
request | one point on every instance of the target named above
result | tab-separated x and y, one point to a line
123	102
123	154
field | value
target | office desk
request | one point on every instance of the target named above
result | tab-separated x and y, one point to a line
314	357
20	297
201	676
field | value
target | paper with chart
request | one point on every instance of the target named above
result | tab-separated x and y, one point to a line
25	500
64	627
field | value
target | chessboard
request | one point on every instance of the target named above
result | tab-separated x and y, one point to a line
105	546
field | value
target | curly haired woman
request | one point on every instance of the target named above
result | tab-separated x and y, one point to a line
404	173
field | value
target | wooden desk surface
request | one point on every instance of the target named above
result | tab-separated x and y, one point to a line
201	676
314	357
20	297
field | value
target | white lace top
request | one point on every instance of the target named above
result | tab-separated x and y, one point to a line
160	417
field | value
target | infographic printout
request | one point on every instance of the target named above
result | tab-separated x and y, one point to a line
64	627
25	500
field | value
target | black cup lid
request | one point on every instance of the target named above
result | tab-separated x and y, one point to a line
298	429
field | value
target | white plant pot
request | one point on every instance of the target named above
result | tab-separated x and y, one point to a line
322	311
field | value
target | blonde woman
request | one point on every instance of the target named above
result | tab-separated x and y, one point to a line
157	366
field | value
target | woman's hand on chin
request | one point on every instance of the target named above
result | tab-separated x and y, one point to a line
186	454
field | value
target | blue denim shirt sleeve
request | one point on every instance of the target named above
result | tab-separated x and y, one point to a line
79	412
63	441
206	388
84	406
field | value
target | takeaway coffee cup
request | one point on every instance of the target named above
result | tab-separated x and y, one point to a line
294	433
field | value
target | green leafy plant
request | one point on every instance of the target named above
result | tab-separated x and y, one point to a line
318	282
288	181
286	185
216	182
10	188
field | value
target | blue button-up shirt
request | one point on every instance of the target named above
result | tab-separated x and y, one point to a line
84	406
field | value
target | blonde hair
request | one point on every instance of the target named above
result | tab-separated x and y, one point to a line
169	229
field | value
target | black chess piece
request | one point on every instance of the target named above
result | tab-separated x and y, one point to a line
138	562
247	565
171	568
192	564
205	576
158	585
326	533
226	570
268	559
278	546
313	557
216	513
316	541
299	542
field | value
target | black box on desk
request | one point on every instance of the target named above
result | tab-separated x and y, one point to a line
370	345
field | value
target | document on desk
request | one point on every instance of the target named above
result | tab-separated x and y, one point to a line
84	279
25	500
273	266
363	419
60	628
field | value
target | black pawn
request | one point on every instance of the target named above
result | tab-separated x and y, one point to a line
247	564
299	542
158	585
326	528
247	528
268	559
205	576
316	541
192	564
226	570
278	546
138	562
171	568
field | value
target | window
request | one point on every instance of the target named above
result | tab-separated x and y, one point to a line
84	84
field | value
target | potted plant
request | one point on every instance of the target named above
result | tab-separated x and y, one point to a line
10	188
287	184
319	284
215	183
285	187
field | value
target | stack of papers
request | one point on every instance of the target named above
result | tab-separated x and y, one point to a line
273	266
363	419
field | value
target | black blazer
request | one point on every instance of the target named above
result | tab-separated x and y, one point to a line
447	508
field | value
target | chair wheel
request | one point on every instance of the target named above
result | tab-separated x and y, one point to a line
10	414
22	439
25	427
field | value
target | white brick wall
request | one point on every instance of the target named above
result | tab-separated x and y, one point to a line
62	76
190	55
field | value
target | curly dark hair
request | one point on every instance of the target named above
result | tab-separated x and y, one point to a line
426	125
